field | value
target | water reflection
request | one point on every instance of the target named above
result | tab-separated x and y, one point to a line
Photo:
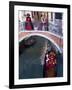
31	58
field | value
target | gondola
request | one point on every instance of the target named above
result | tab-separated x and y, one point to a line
26	43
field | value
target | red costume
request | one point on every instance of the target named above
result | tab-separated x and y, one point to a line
28	23
51	60
49	65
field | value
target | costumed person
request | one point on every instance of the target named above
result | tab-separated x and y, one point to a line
50	64
28	23
44	23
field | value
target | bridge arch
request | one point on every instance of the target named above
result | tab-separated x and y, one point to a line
41	35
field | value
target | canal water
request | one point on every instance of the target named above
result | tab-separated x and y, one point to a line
30	65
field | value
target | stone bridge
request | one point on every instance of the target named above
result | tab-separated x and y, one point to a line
55	39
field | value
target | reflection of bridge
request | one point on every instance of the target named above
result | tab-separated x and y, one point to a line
58	41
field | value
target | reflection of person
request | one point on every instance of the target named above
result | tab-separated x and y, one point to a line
28	23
